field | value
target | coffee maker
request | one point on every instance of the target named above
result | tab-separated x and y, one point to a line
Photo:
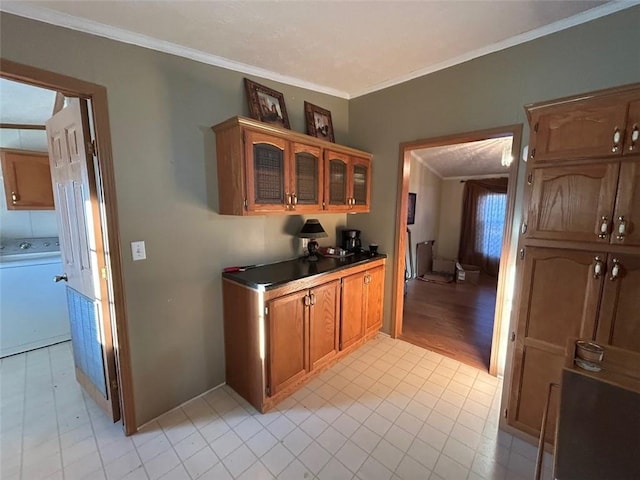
351	240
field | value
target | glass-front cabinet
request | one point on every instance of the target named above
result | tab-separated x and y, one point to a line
348	185
267	170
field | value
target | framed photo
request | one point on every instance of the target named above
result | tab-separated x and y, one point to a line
318	122
411	211
266	104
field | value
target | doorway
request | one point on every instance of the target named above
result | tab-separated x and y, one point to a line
100	200
455	299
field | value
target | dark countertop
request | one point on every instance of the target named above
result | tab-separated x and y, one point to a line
276	274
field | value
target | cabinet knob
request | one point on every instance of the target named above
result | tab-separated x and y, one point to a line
615	270
604	227
617	136
294	198
15	198
597	267
622	228
635	134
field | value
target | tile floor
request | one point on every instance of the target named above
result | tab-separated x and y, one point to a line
390	410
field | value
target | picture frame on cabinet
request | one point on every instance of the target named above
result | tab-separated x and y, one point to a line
319	122
266	104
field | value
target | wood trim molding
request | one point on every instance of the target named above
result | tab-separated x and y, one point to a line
73	87
404	171
22	126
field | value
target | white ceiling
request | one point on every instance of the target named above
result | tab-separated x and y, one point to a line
344	48
24	104
470	159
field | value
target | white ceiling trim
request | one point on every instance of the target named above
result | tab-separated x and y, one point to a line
478	177
572	21
95	28
101	30
424	163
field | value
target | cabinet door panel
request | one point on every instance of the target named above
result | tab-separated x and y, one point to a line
568	202
580	130
374	299
323	341
287	329
360	184
626	219
632	141
266	172
352	325
336	181
559	299
619	322
307	175
27	180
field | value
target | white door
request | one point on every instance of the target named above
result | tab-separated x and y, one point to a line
83	259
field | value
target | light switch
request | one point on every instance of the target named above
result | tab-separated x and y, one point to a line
138	251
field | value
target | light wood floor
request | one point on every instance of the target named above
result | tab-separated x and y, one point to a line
453	319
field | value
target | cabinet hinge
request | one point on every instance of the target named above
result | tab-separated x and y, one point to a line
506	412
266	311
103	272
246	204
513	336
114	384
91	148
535	127
522	254
267	390
533	153
530	178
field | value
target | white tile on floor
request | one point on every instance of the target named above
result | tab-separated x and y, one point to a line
366	439
441	422
332	440
262	442
122	466
409	423
88	466
346	425
161	464
450	469
199	463
399	437
423	453
190	445
352	456
334	470
314	457
432	436
410	469
239	460
281	427
277	459
153	447
248	428
459	452
217	472
295	471
257	471
387	454
314	426
226	444
373	470
377	424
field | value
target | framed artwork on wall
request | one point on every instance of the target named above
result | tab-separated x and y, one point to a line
266	105
411	211
319	122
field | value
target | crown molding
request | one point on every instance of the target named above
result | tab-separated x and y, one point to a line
52	17
425	164
578	19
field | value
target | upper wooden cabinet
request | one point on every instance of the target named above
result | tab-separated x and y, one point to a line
27	180
263	169
348	182
591	126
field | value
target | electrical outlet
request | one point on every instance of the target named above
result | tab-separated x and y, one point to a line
138	251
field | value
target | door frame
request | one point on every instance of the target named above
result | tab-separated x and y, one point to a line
97	94
404	170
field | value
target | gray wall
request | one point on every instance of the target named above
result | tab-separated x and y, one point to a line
161	109
486	92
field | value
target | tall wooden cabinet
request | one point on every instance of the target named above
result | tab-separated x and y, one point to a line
264	169
579	267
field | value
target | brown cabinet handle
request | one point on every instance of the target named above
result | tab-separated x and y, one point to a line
635	134
307	300
615	270
617	136
622	228
312	298
597	267
604	227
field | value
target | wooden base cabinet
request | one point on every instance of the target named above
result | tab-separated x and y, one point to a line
276	340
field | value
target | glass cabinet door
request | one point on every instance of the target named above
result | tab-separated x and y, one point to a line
306	190
266	173
337	182
360	184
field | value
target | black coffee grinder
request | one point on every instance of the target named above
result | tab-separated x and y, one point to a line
351	241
